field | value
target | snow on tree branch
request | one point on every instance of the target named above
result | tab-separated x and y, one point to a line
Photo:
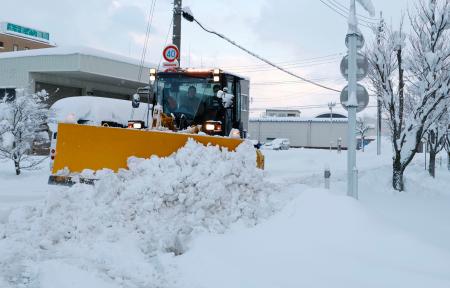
21	121
412	77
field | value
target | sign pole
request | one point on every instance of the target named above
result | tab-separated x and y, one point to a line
352	105
176	27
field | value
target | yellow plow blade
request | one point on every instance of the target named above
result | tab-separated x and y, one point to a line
80	147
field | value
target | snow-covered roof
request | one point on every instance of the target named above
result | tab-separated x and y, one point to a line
71	50
295	119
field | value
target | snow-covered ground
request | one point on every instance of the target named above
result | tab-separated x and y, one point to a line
291	232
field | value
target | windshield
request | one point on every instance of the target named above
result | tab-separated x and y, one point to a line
191	96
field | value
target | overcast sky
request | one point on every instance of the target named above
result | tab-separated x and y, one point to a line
304	35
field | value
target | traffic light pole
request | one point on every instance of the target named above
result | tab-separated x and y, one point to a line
352	104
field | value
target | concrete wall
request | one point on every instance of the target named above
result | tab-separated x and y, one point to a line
75	72
306	133
16	71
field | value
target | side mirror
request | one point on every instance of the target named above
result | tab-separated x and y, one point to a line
136	99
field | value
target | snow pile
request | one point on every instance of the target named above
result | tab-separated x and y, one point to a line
151	209
319	240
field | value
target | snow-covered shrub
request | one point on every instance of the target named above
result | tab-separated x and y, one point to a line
21	120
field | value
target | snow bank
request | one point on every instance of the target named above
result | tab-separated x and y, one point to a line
114	228
318	240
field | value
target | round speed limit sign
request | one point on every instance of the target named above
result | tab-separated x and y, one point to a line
171	53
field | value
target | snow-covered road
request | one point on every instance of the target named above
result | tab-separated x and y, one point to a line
321	238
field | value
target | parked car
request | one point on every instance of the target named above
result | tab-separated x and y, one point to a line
277	144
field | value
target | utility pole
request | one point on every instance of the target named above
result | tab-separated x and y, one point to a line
380	32
330	106
176	28
352	104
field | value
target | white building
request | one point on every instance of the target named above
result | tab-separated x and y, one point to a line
65	72
282	113
301	132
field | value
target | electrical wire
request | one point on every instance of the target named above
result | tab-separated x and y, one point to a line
263	59
300	107
294	82
291	66
346	11
344	14
165	43
147	37
368	19
289	62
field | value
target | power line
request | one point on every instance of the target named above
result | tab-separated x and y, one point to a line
289	62
343	14
291	66
294	81
359	15
294	107
147	36
346	11
165	43
298	107
191	18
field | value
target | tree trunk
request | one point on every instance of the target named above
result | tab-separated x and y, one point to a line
448	160
16	164
397	175
432	163
362	139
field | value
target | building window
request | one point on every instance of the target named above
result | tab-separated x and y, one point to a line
2	46
15	47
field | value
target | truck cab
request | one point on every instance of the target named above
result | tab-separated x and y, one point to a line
217	100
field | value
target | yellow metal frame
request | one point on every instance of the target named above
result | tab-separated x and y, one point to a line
82	147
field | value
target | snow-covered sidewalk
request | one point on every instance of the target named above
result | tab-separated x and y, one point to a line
316	238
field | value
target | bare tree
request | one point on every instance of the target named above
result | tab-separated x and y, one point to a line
447	146
20	122
362	128
437	138
414	82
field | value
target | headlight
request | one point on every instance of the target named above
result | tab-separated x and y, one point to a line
216	75
152	74
212	126
209	127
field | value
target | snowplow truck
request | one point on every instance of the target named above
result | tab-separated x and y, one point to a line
199	104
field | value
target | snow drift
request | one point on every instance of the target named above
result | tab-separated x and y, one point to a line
153	208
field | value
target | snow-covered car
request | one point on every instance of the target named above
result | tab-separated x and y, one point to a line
277	144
